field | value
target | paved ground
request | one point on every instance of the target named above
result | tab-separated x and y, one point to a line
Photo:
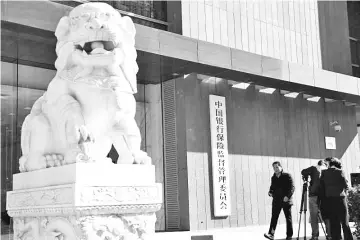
245	233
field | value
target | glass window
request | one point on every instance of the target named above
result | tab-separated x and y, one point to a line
356	71
150	10
355	56
354	51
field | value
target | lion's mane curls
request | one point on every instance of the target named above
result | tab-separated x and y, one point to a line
68	29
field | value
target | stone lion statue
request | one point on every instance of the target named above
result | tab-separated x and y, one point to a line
89	105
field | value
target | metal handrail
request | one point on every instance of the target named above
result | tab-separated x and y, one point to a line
130	14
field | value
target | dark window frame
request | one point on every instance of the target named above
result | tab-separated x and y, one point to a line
355	56
157	17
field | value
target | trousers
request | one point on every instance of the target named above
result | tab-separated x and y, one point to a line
314	210
277	206
339	217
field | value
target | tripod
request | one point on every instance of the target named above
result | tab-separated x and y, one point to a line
303	208
322	226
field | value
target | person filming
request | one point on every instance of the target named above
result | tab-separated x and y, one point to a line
314	173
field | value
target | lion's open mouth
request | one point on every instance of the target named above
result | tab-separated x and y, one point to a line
96	47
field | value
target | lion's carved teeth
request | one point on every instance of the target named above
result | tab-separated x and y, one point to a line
84	53
98	51
82	44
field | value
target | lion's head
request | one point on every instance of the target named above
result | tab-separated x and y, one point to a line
96	40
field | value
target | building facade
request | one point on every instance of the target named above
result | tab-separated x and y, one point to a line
286	69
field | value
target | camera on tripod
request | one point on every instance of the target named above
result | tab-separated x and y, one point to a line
304	206
305	178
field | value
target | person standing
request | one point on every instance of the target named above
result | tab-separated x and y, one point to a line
324	204
334	186
314	173
281	190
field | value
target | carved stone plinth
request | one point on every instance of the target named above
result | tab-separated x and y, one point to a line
85	201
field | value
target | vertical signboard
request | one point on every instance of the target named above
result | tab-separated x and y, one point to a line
220	159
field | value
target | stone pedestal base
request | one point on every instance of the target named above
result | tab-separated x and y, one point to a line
94	227
85	210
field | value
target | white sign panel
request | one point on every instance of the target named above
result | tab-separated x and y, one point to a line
330	143
220	159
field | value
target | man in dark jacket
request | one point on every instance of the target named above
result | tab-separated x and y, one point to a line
281	190
314	173
333	188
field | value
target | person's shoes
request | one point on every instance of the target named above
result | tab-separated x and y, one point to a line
269	236
288	238
314	238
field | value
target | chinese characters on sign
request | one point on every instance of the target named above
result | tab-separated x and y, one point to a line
219	152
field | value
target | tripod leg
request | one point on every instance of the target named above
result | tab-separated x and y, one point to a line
305	209
301	210
298	236
322	226
305	225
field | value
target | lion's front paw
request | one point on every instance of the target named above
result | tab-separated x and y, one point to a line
54	160
142	158
32	163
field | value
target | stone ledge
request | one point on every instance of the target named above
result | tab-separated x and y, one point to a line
86	211
83	196
87	174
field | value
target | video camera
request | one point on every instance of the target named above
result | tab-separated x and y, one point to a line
305	178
